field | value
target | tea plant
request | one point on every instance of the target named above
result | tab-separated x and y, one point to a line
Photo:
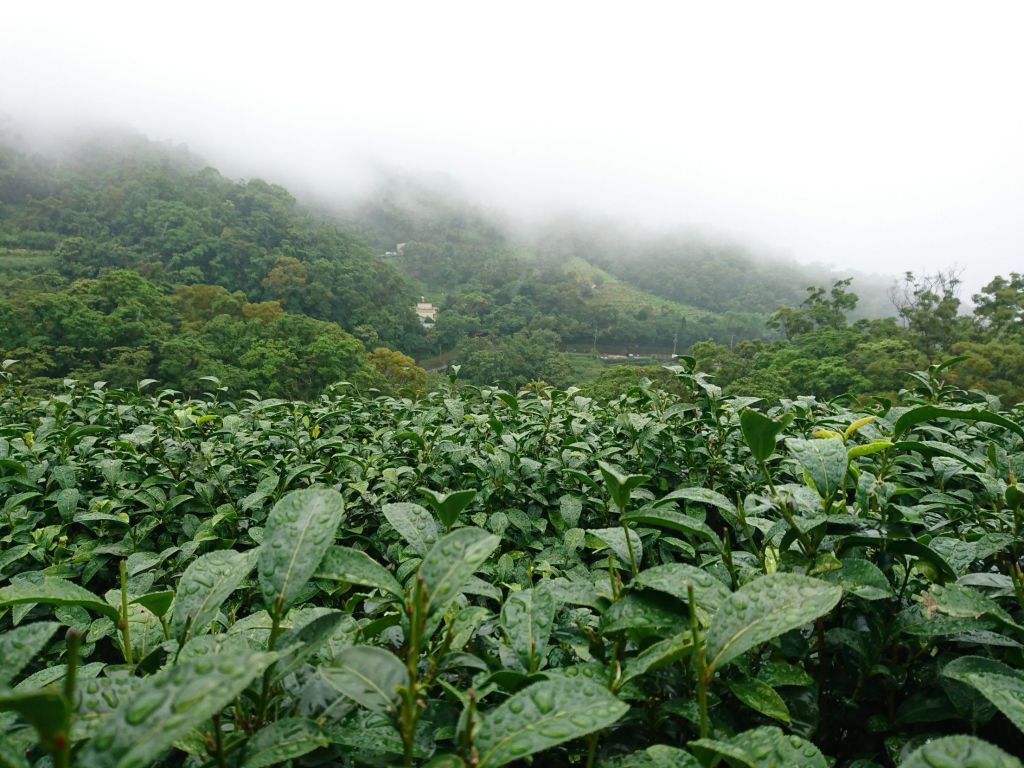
482	578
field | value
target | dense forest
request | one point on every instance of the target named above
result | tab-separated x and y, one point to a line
123	260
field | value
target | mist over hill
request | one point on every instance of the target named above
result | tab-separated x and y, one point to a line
242	282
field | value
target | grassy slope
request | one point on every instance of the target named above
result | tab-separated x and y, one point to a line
614	292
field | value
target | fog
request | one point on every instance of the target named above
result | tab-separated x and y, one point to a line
881	137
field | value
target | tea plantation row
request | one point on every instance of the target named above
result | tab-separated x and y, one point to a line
481	578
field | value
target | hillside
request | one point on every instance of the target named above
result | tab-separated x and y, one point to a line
124	260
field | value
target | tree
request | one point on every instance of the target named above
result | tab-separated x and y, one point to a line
820	309
929	307
398	370
999	308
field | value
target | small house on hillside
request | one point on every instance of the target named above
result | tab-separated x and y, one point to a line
425	311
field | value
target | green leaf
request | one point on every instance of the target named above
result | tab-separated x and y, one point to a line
961	752
169	705
759	432
615	540
675	579
414	524
963	603
355	567
658	756
542	716
760	697
299	530
924	413
448	506
644	614
38	588
301	641
157	603
766	747
1006	693
972	705
450	563
19	645
97	698
283	740
875	446
861	578
46	711
764	609
657	655
824	460
702	496
778	673
620	486
673	521
367	675
204	586
528	617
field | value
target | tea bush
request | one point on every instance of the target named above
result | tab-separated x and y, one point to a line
484	578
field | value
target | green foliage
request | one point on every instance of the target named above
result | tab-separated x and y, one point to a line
478	577
542	716
762	610
300	529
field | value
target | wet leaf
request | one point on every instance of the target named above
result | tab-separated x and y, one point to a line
367	675
299	531
528	617
167	707
283	740
542	716
204	586
414	524
38	588
450	563
356	567
764	609
961	752
19	645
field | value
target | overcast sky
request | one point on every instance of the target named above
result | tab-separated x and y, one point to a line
882	136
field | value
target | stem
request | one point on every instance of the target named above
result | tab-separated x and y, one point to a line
613	578
219	741
467	735
275	631
727	559
409	714
822	678
702	672
759	551
629	546
62	754
126	638
591	750
1017	577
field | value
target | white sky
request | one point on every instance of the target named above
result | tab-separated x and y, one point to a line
881	136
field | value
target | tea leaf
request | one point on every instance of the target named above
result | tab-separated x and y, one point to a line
450	563
413	523
284	740
204	586
542	716
356	567
966	751
300	529
38	588
764	609
168	706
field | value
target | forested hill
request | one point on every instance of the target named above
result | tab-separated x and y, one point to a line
162	213
125	260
